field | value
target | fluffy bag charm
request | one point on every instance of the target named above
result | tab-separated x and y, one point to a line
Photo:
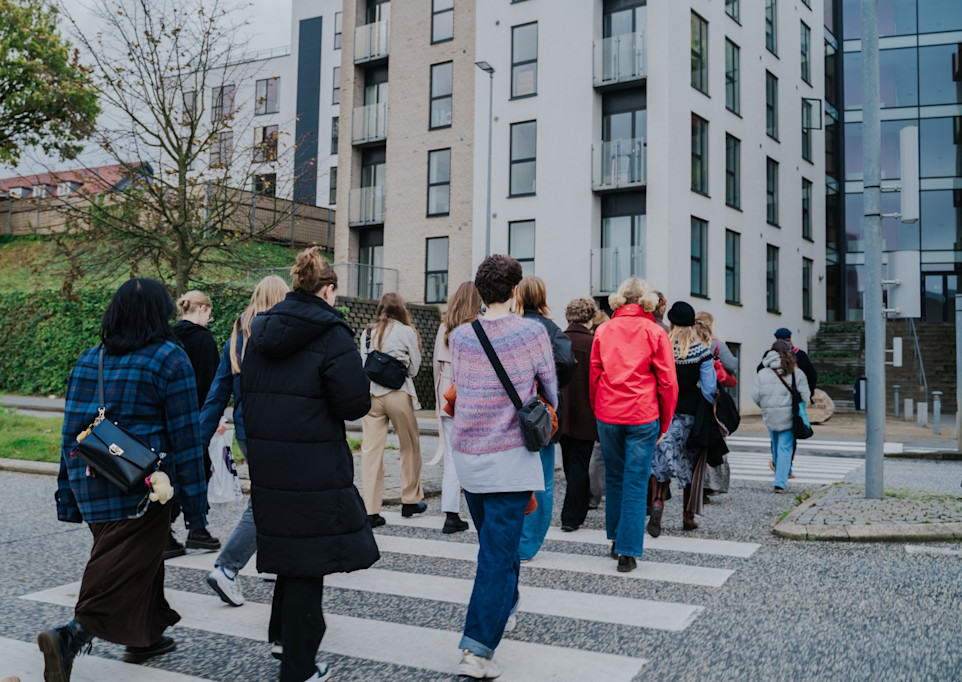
160	488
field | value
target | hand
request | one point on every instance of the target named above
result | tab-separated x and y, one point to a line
661	437
222	429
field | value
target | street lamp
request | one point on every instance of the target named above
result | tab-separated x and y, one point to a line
488	69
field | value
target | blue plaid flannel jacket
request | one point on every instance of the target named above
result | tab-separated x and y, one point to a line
151	392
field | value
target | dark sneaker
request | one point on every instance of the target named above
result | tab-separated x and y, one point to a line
173	549
626	564
570	527
60	646
409	510
614	554
200	538
454	524
376	520
654	521
139	654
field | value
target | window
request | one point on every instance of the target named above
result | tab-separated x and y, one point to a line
442	78
266	95
332	187
806	209
190	106
806	43
335	132
733	275
220	151
264	185
222	99
938	16
771	105
806	129
936	83
524	144
436	270
771	26
807	288
524	60
521	244
699	53
699	154
699	257
265	144
771	278
442	20
338	24
733	171
732	91
771	185
336	95
731	9
439	182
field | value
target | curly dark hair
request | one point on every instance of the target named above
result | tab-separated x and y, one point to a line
497	275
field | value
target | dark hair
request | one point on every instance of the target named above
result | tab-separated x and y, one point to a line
786	354
497	275
138	315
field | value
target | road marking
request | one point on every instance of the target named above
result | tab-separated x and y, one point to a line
923	549
808	469
891	448
386	642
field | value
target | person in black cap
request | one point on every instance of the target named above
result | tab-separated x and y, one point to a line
801	358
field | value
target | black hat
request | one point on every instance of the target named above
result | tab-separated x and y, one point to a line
681	314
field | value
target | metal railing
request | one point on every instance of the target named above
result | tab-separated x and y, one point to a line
371	41
369	123
612	265
361	280
619	163
620	59
923	381
366	206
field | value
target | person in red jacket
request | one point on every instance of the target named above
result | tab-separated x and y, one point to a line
633	390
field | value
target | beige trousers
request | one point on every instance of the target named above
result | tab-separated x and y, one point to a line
398	407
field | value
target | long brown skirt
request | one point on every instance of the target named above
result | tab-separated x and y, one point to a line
122	593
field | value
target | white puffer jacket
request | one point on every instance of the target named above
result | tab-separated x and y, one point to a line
770	394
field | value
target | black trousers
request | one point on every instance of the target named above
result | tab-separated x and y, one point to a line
297	622
575	455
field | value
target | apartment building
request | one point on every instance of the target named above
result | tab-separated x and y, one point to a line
406	187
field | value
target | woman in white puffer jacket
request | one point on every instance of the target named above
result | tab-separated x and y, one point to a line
772	393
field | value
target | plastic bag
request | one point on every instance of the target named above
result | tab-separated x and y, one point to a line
223	486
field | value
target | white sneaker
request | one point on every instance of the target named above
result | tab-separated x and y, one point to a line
277	651
268	577
228	588
512	622
321	673
478	667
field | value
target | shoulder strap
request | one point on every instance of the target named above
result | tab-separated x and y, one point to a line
784	383
496	363
100	380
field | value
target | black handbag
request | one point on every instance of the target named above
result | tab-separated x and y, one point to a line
801	427
534	416
384	369
111	451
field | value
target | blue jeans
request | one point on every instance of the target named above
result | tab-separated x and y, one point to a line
783	443
627	449
498	518
537	522
241	544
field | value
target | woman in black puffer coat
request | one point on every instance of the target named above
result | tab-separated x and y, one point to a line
301	378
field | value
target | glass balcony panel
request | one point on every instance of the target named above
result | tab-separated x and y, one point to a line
619	163
369	124
620	59
371	41
613	265
366	206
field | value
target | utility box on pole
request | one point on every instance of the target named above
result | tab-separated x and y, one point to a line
909	173
905	297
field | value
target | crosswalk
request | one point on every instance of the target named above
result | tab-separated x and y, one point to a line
749	460
573	561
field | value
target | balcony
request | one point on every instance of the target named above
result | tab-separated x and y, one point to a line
369	124
366	206
613	265
620	59
619	164
371	42
361	280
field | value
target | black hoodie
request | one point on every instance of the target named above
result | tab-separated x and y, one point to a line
202	351
301	378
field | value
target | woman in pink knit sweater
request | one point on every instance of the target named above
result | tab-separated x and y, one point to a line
498	474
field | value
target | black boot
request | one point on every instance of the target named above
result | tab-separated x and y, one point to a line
173	548
60	647
454	524
409	510
200	538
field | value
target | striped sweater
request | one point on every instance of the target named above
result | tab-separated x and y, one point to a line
485	420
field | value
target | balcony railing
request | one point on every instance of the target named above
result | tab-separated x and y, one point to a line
364	281
369	124
366	206
613	265
620	59
371	41
619	163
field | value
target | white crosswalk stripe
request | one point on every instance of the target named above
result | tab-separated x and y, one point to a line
808	469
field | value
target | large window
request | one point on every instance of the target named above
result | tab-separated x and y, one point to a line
807	288
442	20
335	133
771	26
699	154
332	187
732	9
806	129
267	95
898	77
699	257
771	191
806	53
436	270
732	77
265	144
937	16
733	275
806	209
937	84
771	278
524	146
442	79
221	149
222	102
699	53
733	171
264	185
338	23
336	93
771	105
521	244
524	60
439	182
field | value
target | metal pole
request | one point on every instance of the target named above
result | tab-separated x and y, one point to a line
958	371
872	226
936	412
487	221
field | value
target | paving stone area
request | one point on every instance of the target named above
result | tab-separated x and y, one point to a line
845	504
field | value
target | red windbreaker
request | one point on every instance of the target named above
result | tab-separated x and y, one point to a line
632	378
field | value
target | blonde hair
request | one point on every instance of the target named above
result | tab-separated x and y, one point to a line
269	292
190	302
463	307
311	272
681	339
531	293
580	311
634	290
599	319
704	327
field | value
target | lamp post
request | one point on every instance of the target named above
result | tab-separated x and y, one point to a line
488	69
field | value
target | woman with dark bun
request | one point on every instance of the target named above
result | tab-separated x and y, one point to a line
301	377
